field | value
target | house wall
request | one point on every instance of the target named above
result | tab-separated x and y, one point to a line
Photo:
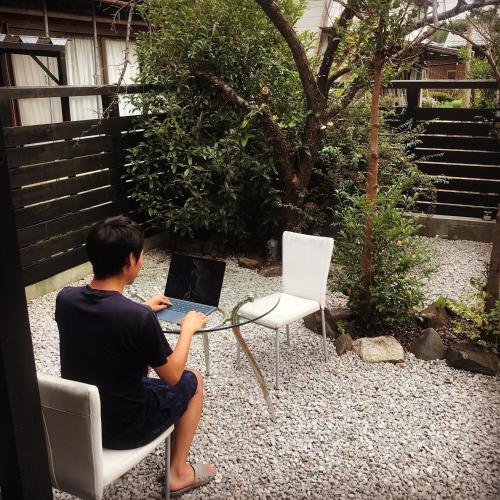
316	15
84	65
437	70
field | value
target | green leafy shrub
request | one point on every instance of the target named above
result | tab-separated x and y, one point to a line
401	260
455	103
204	167
441	96
343	161
472	321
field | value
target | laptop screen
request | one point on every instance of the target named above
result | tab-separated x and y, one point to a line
195	279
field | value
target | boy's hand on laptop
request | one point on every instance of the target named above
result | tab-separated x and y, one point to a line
193	321
158	303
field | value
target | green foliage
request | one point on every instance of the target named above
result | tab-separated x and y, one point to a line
441	96
439	36
204	166
400	259
472	321
343	161
481	70
195	183
455	103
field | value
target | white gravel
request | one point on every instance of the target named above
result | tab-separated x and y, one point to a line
344	429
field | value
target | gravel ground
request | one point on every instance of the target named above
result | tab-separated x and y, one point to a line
344	429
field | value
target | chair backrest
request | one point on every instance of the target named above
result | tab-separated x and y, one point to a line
306	264
72	419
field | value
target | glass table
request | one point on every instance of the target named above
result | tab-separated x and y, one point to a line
220	320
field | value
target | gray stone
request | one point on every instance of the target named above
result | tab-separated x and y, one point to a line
313	323
379	349
428	346
343	343
473	358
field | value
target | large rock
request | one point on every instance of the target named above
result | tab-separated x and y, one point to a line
428	346
378	349
343	343
473	358
313	322
433	316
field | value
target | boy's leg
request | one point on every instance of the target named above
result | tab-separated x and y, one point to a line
181	473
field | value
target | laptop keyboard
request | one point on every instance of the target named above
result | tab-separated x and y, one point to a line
184	306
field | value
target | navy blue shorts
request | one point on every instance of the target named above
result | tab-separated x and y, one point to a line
172	401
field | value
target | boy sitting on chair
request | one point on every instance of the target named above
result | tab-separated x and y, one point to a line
110	341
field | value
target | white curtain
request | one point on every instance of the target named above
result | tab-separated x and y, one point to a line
28	73
81	70
115	58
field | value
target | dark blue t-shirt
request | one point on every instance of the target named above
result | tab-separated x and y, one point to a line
109	341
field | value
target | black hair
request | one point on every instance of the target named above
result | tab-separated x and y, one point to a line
110	242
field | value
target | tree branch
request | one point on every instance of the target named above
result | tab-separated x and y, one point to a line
276	16
225	88
274	134
347	97
341	72
331	49
461	7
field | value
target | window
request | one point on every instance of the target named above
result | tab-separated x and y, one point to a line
451	74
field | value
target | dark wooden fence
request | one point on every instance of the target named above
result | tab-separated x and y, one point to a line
459	144
61	187
65	176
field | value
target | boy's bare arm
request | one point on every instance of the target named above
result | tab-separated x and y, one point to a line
171	371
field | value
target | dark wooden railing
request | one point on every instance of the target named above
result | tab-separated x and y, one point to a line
459	144
64	177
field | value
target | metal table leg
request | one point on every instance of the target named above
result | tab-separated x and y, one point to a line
255	367
256	370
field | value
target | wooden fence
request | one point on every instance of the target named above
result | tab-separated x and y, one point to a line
63	178
459	144
66	176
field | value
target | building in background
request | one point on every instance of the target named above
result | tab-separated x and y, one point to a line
94	54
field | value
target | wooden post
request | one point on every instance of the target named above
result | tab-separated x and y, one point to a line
63	80
413	99
24	468
493	284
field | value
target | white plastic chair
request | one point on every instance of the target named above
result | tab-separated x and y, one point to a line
306	264
78	463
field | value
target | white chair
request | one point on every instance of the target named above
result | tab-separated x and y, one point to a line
78	463
306	264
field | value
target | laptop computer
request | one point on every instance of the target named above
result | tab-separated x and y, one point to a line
193	284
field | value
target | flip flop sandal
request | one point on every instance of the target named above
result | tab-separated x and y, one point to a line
201	476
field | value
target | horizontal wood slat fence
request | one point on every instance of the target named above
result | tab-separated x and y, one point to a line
461	145
64	177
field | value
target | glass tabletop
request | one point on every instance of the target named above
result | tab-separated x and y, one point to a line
255	309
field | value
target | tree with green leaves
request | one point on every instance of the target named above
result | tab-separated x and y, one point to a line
249	52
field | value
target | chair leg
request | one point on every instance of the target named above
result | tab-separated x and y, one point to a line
323	328
288	334
168	442
207	354
277	360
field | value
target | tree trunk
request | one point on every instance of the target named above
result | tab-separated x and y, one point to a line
466	93
493	284
372	176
